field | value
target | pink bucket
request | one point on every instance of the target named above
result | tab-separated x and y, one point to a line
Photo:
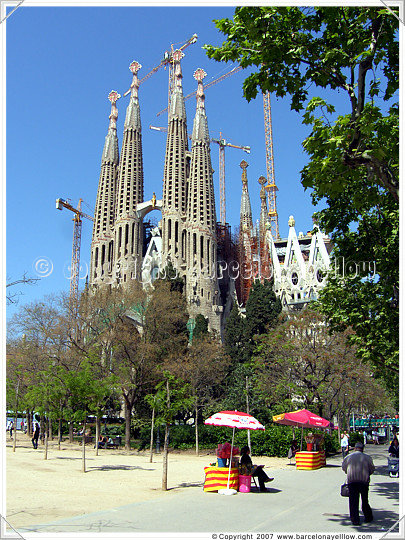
244	483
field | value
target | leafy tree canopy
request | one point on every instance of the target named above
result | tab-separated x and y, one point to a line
353	162
334	48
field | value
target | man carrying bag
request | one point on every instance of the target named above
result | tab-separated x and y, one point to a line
358	467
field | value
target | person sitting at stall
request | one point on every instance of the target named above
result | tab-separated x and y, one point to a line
246	468
293	449
393	450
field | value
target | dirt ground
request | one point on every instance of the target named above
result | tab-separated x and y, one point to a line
41	491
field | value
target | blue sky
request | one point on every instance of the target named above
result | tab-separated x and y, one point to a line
61	64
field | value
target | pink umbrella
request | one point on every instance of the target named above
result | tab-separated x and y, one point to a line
233	419
302	418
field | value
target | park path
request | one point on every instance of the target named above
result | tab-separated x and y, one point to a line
297	501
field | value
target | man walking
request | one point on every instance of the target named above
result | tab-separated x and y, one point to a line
358	467
344	444
36	436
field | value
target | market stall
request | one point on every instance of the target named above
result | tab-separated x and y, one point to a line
216	478
232	419
314	456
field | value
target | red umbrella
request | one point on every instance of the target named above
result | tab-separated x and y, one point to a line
233	419
302	418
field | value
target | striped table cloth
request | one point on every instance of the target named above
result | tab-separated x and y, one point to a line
217	478
310	460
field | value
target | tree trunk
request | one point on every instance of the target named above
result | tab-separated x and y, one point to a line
97	433
166	445
247	410
46	425
15	433
59	432
128	410
84	447
165	458
42	429
196	429
151	435
28	423
50	430
70	432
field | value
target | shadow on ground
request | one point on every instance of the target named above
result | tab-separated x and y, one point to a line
117	468
187	485
71	458
390	490
383	521
269	490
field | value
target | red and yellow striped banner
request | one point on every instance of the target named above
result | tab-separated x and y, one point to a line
217	478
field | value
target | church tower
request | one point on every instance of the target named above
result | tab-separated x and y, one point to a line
102	251
175	176
246	247
128	230
201	283
264	225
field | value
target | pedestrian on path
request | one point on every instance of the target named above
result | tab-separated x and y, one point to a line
358	467
35	436
344	444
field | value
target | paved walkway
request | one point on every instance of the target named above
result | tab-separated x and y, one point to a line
297	501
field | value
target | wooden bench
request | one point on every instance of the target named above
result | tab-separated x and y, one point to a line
113	445
88	439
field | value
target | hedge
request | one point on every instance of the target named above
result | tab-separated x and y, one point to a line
274	441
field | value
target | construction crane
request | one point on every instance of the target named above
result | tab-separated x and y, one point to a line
222	143
219	79
271	187
77	235
167	60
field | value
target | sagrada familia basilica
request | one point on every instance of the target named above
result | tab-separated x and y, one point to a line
218	269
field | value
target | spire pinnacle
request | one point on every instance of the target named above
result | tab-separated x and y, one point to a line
113	96
244	165
177	56
262	180
200	128
199	75
176	102
134	68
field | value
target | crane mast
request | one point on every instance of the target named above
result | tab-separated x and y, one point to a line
271	187
75	267
222	143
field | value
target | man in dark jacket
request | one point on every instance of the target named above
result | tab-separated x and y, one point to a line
358	467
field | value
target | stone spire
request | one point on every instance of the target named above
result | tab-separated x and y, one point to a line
246	244
175	175
201	284
263	209
264	254
246	222
128	226
102	242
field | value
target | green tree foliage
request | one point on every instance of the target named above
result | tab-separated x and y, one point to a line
172	395
262	311
262	308
302	359
353	162
201	326
234	336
